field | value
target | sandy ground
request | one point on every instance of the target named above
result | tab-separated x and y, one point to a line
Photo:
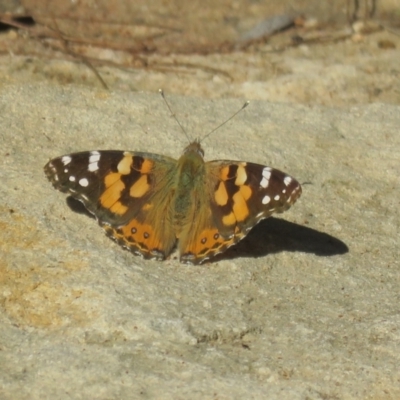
306	307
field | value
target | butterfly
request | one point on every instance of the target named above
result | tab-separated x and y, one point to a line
151	203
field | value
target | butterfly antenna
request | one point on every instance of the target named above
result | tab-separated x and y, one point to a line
170	110
225	122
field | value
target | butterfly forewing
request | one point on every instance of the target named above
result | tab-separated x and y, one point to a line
239	195
272	191
122	190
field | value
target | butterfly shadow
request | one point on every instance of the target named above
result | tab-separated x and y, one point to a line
78	207
274	235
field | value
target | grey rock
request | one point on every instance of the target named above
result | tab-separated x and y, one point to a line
307	306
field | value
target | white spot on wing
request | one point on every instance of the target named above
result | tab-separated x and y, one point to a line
266	175
93	161
66	160
94	156
266	199
93	167
264	183
277	197
287	180
83	182
71	178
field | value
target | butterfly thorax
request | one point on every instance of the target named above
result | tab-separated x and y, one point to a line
191	174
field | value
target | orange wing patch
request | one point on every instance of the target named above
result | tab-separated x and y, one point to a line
240	207
146	166
140	187
141	238
111	195
241	174
221	195
209	243
240	210
114	186
124	166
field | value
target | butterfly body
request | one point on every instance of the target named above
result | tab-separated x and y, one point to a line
150	203
191	176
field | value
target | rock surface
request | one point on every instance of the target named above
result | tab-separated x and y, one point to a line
306	307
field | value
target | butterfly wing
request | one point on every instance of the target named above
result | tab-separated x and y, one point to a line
129	193
238	196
